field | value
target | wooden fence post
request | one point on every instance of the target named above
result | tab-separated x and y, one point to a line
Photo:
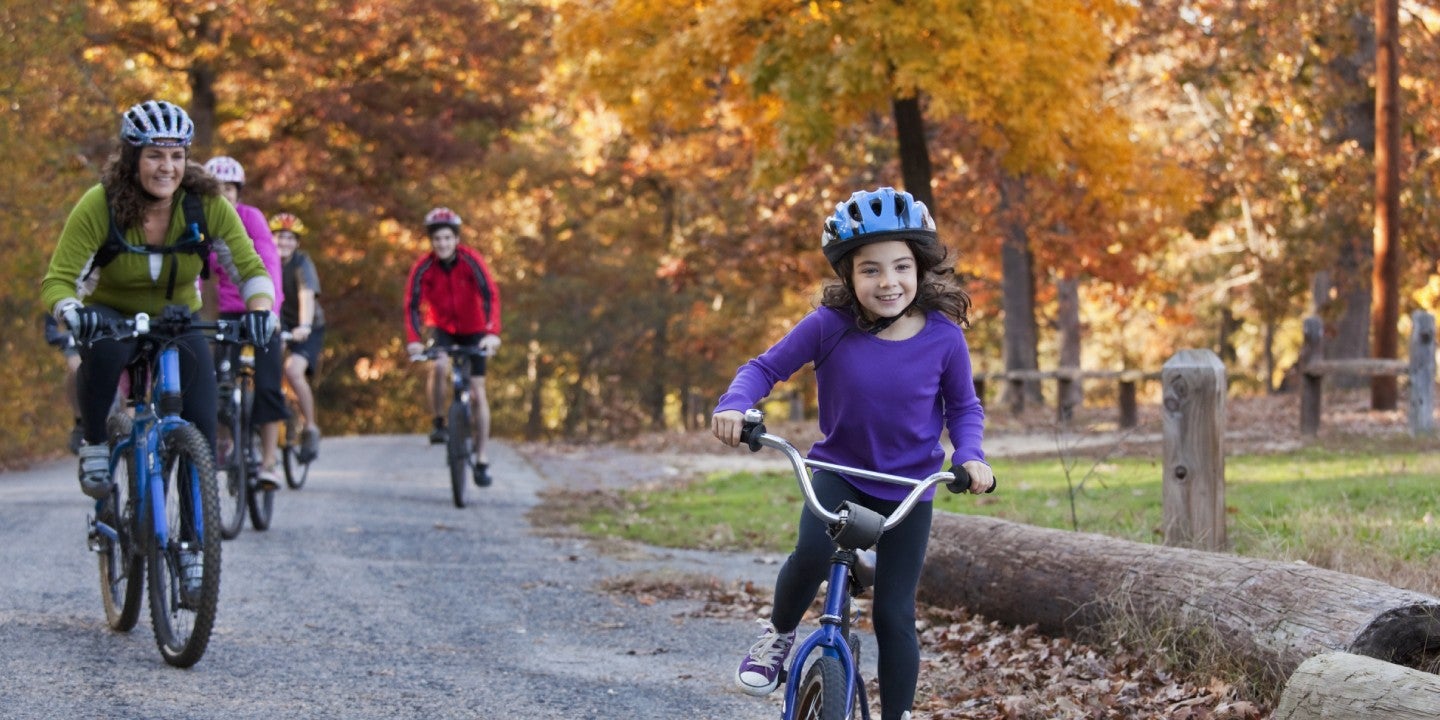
1193	489
1129	414
1422	373
1310	385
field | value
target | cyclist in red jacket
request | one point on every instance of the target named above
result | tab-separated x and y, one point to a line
451	294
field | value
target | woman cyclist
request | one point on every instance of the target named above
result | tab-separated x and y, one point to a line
139	204
269	407
302	317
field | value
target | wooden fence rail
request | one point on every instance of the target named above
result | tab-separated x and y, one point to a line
1420	369
1067	378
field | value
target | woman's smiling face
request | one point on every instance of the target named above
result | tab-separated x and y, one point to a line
161	169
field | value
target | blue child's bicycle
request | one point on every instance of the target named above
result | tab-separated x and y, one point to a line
830	686
162	513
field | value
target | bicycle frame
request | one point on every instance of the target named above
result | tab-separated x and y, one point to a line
853	528
151	422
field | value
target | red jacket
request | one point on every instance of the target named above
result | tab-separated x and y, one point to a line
459	297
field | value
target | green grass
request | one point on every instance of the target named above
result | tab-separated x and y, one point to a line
1371	514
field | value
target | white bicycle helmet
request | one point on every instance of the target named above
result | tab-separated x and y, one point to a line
156	122
226	169
873	216
442	217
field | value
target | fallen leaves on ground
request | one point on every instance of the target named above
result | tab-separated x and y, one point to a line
974	669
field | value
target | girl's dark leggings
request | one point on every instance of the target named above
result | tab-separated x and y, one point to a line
102	363
899	556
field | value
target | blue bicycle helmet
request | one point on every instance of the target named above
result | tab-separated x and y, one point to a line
156	122
873	216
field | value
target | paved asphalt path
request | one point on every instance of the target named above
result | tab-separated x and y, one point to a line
371	596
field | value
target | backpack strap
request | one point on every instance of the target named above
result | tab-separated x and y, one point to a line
194	208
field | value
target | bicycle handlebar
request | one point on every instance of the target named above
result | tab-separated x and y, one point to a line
753	435
169	324
434	351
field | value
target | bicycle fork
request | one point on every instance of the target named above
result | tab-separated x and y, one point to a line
831	640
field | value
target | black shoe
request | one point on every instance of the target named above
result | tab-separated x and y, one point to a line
439	436
482	475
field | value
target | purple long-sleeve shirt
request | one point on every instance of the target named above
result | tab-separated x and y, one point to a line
259	232
883	403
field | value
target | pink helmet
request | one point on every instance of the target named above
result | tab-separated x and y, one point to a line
441	217
226	169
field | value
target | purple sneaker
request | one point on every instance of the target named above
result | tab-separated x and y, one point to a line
759	672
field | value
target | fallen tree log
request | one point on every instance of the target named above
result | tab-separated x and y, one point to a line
1271	615
1341	686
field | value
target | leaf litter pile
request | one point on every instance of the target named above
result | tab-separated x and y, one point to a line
973	669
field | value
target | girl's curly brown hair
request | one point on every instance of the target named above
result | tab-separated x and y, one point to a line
128	199
938	288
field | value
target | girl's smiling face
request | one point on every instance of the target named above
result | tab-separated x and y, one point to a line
161	169
885	277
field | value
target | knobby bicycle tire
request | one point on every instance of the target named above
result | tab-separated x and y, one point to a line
121	561
230	467
822	693
183	618
458	452
261	501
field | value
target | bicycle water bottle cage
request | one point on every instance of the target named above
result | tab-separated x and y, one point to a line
859	527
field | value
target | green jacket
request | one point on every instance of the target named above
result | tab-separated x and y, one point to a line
133	282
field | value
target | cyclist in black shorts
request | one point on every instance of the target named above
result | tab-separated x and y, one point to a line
301	316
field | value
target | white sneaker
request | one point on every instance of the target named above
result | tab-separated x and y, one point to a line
95	471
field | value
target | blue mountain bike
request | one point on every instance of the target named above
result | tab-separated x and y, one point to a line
162	514
828	686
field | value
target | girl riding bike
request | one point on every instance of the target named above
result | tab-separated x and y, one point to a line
892	369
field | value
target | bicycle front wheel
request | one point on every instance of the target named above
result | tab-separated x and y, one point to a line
459	451
822	694
296	472
185	568
122	564
230	469
262	502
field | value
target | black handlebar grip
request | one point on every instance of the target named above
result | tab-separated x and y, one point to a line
961	483
750	433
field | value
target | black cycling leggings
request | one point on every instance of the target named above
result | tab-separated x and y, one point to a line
102	363
899	557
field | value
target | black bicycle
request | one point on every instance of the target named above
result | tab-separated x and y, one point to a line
296	462
460	446
238	442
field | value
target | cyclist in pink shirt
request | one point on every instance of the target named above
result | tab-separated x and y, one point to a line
269	407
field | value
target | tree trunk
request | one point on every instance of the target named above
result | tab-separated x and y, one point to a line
914	149
1385	278
202	109
1071	394
1341	686
1270	615
1018	293
1354	120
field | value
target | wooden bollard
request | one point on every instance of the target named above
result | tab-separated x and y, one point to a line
1193	488
1422	373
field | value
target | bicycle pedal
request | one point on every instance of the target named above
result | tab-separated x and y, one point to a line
92	534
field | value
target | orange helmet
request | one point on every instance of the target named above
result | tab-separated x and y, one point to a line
286	221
